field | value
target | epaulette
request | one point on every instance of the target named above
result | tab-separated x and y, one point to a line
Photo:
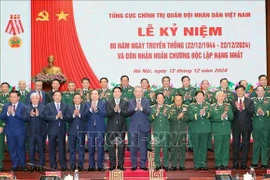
64	91
191	104
253	98
185	105
227	104
167	105
153	106
207	103
213	104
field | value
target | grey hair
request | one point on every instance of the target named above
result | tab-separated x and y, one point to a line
219	92
33	94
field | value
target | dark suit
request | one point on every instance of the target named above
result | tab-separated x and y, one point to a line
76	135
43	94
57	132
15	132
95	128
242	125
35	132
138	129
116	128
49	97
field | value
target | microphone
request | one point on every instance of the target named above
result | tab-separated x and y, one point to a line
46	168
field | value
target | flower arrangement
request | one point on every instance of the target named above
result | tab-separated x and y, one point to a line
47	78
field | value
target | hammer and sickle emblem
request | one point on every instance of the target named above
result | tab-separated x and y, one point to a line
43	16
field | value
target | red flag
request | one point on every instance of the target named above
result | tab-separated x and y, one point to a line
54	33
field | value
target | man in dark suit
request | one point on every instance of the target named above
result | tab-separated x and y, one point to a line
56	114
12	114
55	87
76	132
243	110
35	132
139	110
39	91
95	113
117	111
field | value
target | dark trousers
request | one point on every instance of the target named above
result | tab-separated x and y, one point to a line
138	140
73	141
113	138
16	146
2	146
96	140
245	146
33	142
57	140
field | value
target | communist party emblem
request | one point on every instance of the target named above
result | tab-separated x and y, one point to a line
14	27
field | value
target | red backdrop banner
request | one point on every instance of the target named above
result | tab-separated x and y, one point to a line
53	32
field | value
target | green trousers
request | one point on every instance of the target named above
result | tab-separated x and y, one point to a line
178	149
161	141
209	144
222	150
199	142
2	147
189	137
260	146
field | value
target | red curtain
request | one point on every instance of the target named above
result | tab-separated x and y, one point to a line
58	38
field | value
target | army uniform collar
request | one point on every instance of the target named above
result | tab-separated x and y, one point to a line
184	88
167	88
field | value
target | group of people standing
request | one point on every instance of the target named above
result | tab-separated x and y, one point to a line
100	119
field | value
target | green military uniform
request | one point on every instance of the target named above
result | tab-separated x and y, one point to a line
171	93
261	131
178	135
209	98
105	95
228	94
221	129
200	127
267	92
152	102
188	95
2	139
4	98
85	94
23	96
161	131
128	94
68	97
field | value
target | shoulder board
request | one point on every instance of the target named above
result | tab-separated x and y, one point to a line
207	103
64	91
228	104
152	106
213	104
253	98
78	89
167	105
185	105
191	104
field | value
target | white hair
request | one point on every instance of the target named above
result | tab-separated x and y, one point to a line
34	94
22	81
138	87
218	93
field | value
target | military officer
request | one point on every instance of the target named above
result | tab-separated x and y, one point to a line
2	140
187	92
23	91
4	95
224	86
168	91
86	90
68	95
263	82
209	98
198	114
248	87
149	94
178	133
221	117
127	94
104	93
160	115
261	127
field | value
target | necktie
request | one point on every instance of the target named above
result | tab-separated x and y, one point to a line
58	107
22	93
240	105
14	107
40	97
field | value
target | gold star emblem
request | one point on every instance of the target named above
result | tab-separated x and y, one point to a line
62	15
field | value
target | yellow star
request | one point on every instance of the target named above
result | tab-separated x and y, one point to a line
62	15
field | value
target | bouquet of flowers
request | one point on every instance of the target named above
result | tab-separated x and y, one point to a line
47	78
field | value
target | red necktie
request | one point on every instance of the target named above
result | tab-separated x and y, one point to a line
40	97
240	105
14	108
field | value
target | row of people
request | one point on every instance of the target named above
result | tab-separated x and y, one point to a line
165	94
